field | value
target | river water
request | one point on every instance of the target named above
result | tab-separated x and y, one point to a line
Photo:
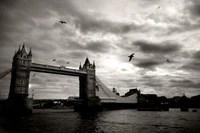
112	121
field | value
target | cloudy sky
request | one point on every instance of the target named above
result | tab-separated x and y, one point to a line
107	32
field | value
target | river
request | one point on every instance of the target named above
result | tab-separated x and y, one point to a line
111	121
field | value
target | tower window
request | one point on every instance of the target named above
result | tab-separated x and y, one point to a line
24	62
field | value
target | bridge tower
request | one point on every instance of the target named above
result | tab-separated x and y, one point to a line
87	86
18	101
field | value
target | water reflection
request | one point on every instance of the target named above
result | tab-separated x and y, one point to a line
13	124
117	121
88	122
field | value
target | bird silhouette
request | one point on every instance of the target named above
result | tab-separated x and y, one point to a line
167	60
62	22
54	60
131	56
67	62
159	7
33	75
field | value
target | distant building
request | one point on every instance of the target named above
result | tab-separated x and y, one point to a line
150	98
74	99
131	92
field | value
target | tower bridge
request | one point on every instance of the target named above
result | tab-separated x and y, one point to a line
91	89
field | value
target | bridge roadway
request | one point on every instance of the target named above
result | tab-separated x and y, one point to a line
35	67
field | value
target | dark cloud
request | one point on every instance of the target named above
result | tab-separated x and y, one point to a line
95	22
15	16
152	81
6	57
154	84
28	6
193	65
128	81
194	8
123	69
197	55
25	12
185	54
93	46
185	83
189	23
183	26
148	64
87	23
98	46
79	54
161	48
72	45
148	2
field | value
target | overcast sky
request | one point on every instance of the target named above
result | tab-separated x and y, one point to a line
106	31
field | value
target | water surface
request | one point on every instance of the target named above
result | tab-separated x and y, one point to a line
113	121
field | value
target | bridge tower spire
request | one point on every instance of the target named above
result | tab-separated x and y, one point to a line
87	83
87	86
21	67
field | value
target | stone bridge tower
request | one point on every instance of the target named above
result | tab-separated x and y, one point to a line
18	96
87	85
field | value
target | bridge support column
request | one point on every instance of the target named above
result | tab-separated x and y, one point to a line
91	102
18	106
18	102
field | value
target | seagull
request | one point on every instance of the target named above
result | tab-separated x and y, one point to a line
62	22
54	60
33	75
159	7
131	56
67	62
167	60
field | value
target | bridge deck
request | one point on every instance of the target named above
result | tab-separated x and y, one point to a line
56	70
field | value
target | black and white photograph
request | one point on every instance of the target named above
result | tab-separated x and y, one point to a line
99	66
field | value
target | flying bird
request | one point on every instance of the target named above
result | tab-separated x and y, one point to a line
54	60
159	7
33	75
167	60
62	22
67	62
131	56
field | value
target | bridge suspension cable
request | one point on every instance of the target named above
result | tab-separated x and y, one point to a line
2	82
3	74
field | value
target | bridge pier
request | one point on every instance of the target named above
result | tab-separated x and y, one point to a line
92	104
18	105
